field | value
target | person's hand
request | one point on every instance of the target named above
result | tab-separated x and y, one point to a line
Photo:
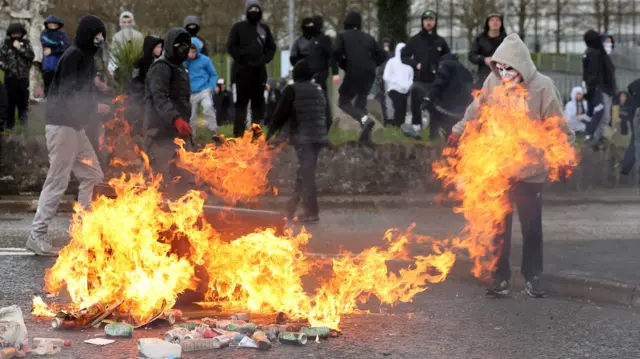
453	140
487	61
217	89
103	109
183	128
336	79
101	85
418	67
16	44
47	51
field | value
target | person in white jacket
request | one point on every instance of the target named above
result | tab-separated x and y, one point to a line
398	79
576	110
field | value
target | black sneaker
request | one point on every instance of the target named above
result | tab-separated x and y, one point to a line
367	128
534	289
499	288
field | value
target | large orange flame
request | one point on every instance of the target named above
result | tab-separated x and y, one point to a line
500	146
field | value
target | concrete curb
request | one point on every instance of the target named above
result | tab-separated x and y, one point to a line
592	289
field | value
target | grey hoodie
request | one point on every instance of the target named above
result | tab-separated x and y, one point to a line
126	35
250	3
544	99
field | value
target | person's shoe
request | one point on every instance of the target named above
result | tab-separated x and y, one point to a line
499	288
534	289
409	131
216	139
309	219
367	129
41	248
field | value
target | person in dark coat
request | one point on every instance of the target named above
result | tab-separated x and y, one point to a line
54	43
485	44
273	96
252	47
302	106
192	25
302	46
358	54
167	103
222	102
322	61
449	95
73	102
423	53
626	111
598	75
380	91
633	151
16	57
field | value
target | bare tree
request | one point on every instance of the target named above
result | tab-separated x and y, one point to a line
523	10
602	13
559	9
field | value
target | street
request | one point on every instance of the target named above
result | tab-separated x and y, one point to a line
449	320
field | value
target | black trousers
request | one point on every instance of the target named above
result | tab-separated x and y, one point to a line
305	187
418	92
17	98
47	77
321	79
250	84
527	198
399	101
357	87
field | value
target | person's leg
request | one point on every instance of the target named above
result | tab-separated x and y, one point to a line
293	202
195	108
528	199
23	104
402	109
13	91
347	93
606	117
501	252
86	169
595	111
308	161
363	88
327	105
257	102
63	152
396	100
418	92
209	113
243	95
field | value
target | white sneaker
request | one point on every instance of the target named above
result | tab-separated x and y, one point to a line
41	247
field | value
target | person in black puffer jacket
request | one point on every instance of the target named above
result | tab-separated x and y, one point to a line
167	103
151	50
485	44
321	60
302	105
633	151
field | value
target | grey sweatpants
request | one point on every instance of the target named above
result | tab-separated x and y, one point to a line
606	117
69	151
202	98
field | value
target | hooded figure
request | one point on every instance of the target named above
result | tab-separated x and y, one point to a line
72	103
272	96
54	43
511	63
203	77
598	75
321	59
398	79
608	43
485	44
192	25
127	33
302	46
633	151
252	47
358	54
575	111
302	106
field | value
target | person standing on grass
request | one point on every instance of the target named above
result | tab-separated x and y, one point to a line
54	43
73	102
398	79
301	48
511	64
16	57
485	44
302	106
223	103
321	61
203	78
252	47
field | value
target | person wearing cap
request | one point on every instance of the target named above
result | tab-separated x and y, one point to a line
485	44
423	53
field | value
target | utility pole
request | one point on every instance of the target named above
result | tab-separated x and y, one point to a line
292	22
505	13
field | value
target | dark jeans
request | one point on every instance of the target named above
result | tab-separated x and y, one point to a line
440	121
357	87
305	187
527	198
399	101
249	87
418	92
47	77
17	98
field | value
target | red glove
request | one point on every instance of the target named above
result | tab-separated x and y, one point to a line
453	140
184	130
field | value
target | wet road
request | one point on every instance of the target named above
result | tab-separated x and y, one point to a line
449	320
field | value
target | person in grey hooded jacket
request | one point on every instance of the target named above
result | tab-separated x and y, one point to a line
192	25
511	64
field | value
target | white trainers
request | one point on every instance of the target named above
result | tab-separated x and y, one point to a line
41	247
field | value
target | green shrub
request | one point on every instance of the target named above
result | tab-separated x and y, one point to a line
124	56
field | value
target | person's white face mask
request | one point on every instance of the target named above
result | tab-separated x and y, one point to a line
508	74
608	48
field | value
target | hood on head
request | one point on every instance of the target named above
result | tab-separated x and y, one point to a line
149	43
634	91
318	21
191	20
592	40
605	36
492	15
128	14
308	31
399	48
271	82
302	71
174	35
513	52
52	19
427	14
16	27
575	91
197	44
353	20
282	83
88	27
251	3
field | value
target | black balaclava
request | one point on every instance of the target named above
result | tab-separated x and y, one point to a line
253	17
308	27
176	45
86	34
192	25
318	21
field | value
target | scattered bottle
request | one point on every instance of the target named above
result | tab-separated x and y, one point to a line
119	330
316	332
293	338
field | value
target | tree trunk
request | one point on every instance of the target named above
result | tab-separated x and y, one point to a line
393	16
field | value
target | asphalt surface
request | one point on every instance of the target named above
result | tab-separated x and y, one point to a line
449	320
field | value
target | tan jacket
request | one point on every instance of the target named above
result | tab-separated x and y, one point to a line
544	100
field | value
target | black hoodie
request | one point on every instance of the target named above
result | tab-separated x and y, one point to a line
598	72
356	52
193	20
484	46
302	46
453	85
73	97
141	66
167	90
425	48
16	63
321	53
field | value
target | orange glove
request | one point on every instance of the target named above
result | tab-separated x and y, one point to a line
184	130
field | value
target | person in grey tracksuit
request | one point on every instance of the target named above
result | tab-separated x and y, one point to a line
73	101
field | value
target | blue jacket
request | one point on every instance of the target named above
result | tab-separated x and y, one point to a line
202	74
56	40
